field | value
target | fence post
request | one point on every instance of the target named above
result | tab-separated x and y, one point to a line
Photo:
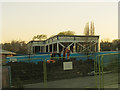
9	72
95	69
102	65
45	73
99	73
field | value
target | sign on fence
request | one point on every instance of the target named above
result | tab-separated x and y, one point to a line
67	66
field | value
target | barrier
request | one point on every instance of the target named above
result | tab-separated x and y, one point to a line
82	67
106	63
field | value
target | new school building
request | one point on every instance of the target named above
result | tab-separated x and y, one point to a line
57	43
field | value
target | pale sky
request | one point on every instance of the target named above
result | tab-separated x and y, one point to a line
22	21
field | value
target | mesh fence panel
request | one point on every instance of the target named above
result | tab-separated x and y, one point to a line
74	72
26	72
77	69
107	67
6	77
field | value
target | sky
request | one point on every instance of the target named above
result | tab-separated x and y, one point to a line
23	20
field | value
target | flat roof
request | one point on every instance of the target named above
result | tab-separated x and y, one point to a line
64	36
6	52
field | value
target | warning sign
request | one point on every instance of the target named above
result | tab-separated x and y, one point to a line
67	66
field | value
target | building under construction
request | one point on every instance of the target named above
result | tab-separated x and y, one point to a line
58	43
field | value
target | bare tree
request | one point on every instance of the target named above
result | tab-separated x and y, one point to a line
89	31
88	45
66	33
92	29
86	29
19	47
